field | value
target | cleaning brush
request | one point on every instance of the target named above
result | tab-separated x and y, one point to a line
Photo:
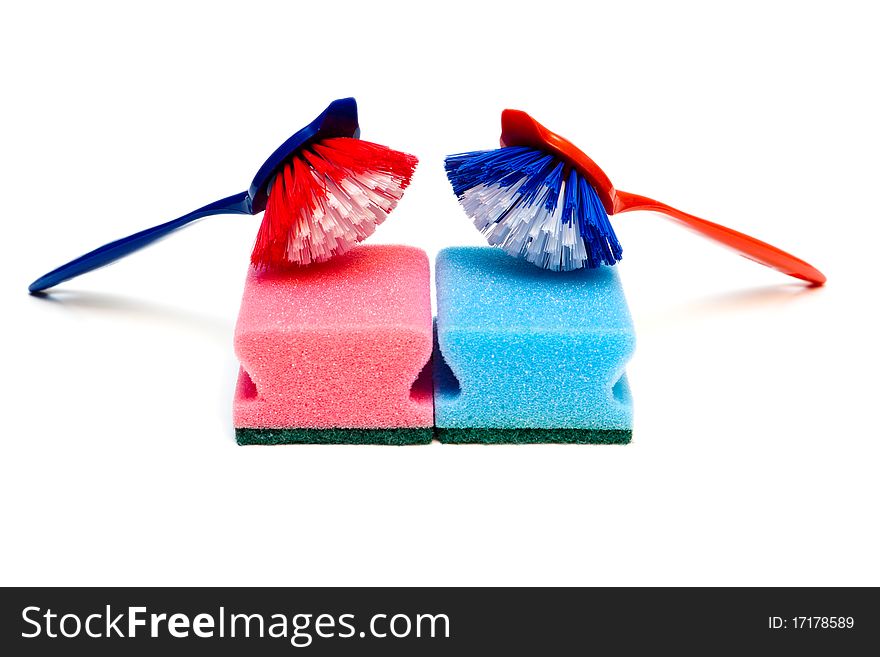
323	190
540	198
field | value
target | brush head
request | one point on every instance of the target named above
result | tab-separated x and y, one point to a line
340	119
520	129
536	206
330	195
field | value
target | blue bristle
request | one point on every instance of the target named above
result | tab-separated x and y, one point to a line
554	184
499	189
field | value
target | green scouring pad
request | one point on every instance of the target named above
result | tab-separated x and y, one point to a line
500	436
413	436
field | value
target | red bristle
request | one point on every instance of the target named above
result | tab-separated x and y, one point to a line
269	246
360	156
329	197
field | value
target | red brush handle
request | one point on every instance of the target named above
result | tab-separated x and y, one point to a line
520	129
746	246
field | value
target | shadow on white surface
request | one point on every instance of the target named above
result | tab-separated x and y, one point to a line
735	302
217	330
113	304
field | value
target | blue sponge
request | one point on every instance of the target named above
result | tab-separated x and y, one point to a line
529	355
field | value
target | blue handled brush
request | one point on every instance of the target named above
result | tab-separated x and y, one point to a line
323	190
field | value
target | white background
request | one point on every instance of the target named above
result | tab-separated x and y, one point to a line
755	452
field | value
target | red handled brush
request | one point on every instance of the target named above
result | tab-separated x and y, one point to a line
323	191
541	198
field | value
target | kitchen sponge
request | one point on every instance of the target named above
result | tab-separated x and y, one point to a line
529	355
337	352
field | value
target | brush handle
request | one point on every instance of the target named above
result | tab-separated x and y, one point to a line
104	255
747	246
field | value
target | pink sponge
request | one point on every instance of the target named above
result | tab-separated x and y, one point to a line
339	345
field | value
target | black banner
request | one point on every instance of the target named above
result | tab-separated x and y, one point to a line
413	621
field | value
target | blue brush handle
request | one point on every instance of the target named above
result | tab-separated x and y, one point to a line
104	255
